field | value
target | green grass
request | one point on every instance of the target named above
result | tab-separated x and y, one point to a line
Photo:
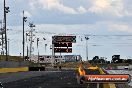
17	59
10	58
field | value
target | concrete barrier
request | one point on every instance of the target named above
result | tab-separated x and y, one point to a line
8	70
13	64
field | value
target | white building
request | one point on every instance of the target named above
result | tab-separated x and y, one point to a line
63	58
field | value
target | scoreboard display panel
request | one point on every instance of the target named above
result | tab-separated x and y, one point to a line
63	50
57	39
63	44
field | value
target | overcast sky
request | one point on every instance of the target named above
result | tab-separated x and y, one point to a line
76	17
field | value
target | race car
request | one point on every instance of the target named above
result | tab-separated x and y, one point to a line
86	71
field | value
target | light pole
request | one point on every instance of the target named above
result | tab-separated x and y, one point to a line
38	48
8	47
24	20
27	45
86	48
1	24
6	10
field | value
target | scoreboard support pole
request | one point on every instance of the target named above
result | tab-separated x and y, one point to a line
97	85
60	57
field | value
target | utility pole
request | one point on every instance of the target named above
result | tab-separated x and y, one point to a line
24	20
6	10
86	48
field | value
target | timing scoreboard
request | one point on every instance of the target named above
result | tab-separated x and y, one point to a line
63	44
58	39
63	50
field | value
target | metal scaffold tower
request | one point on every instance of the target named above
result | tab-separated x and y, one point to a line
31	38
2	38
